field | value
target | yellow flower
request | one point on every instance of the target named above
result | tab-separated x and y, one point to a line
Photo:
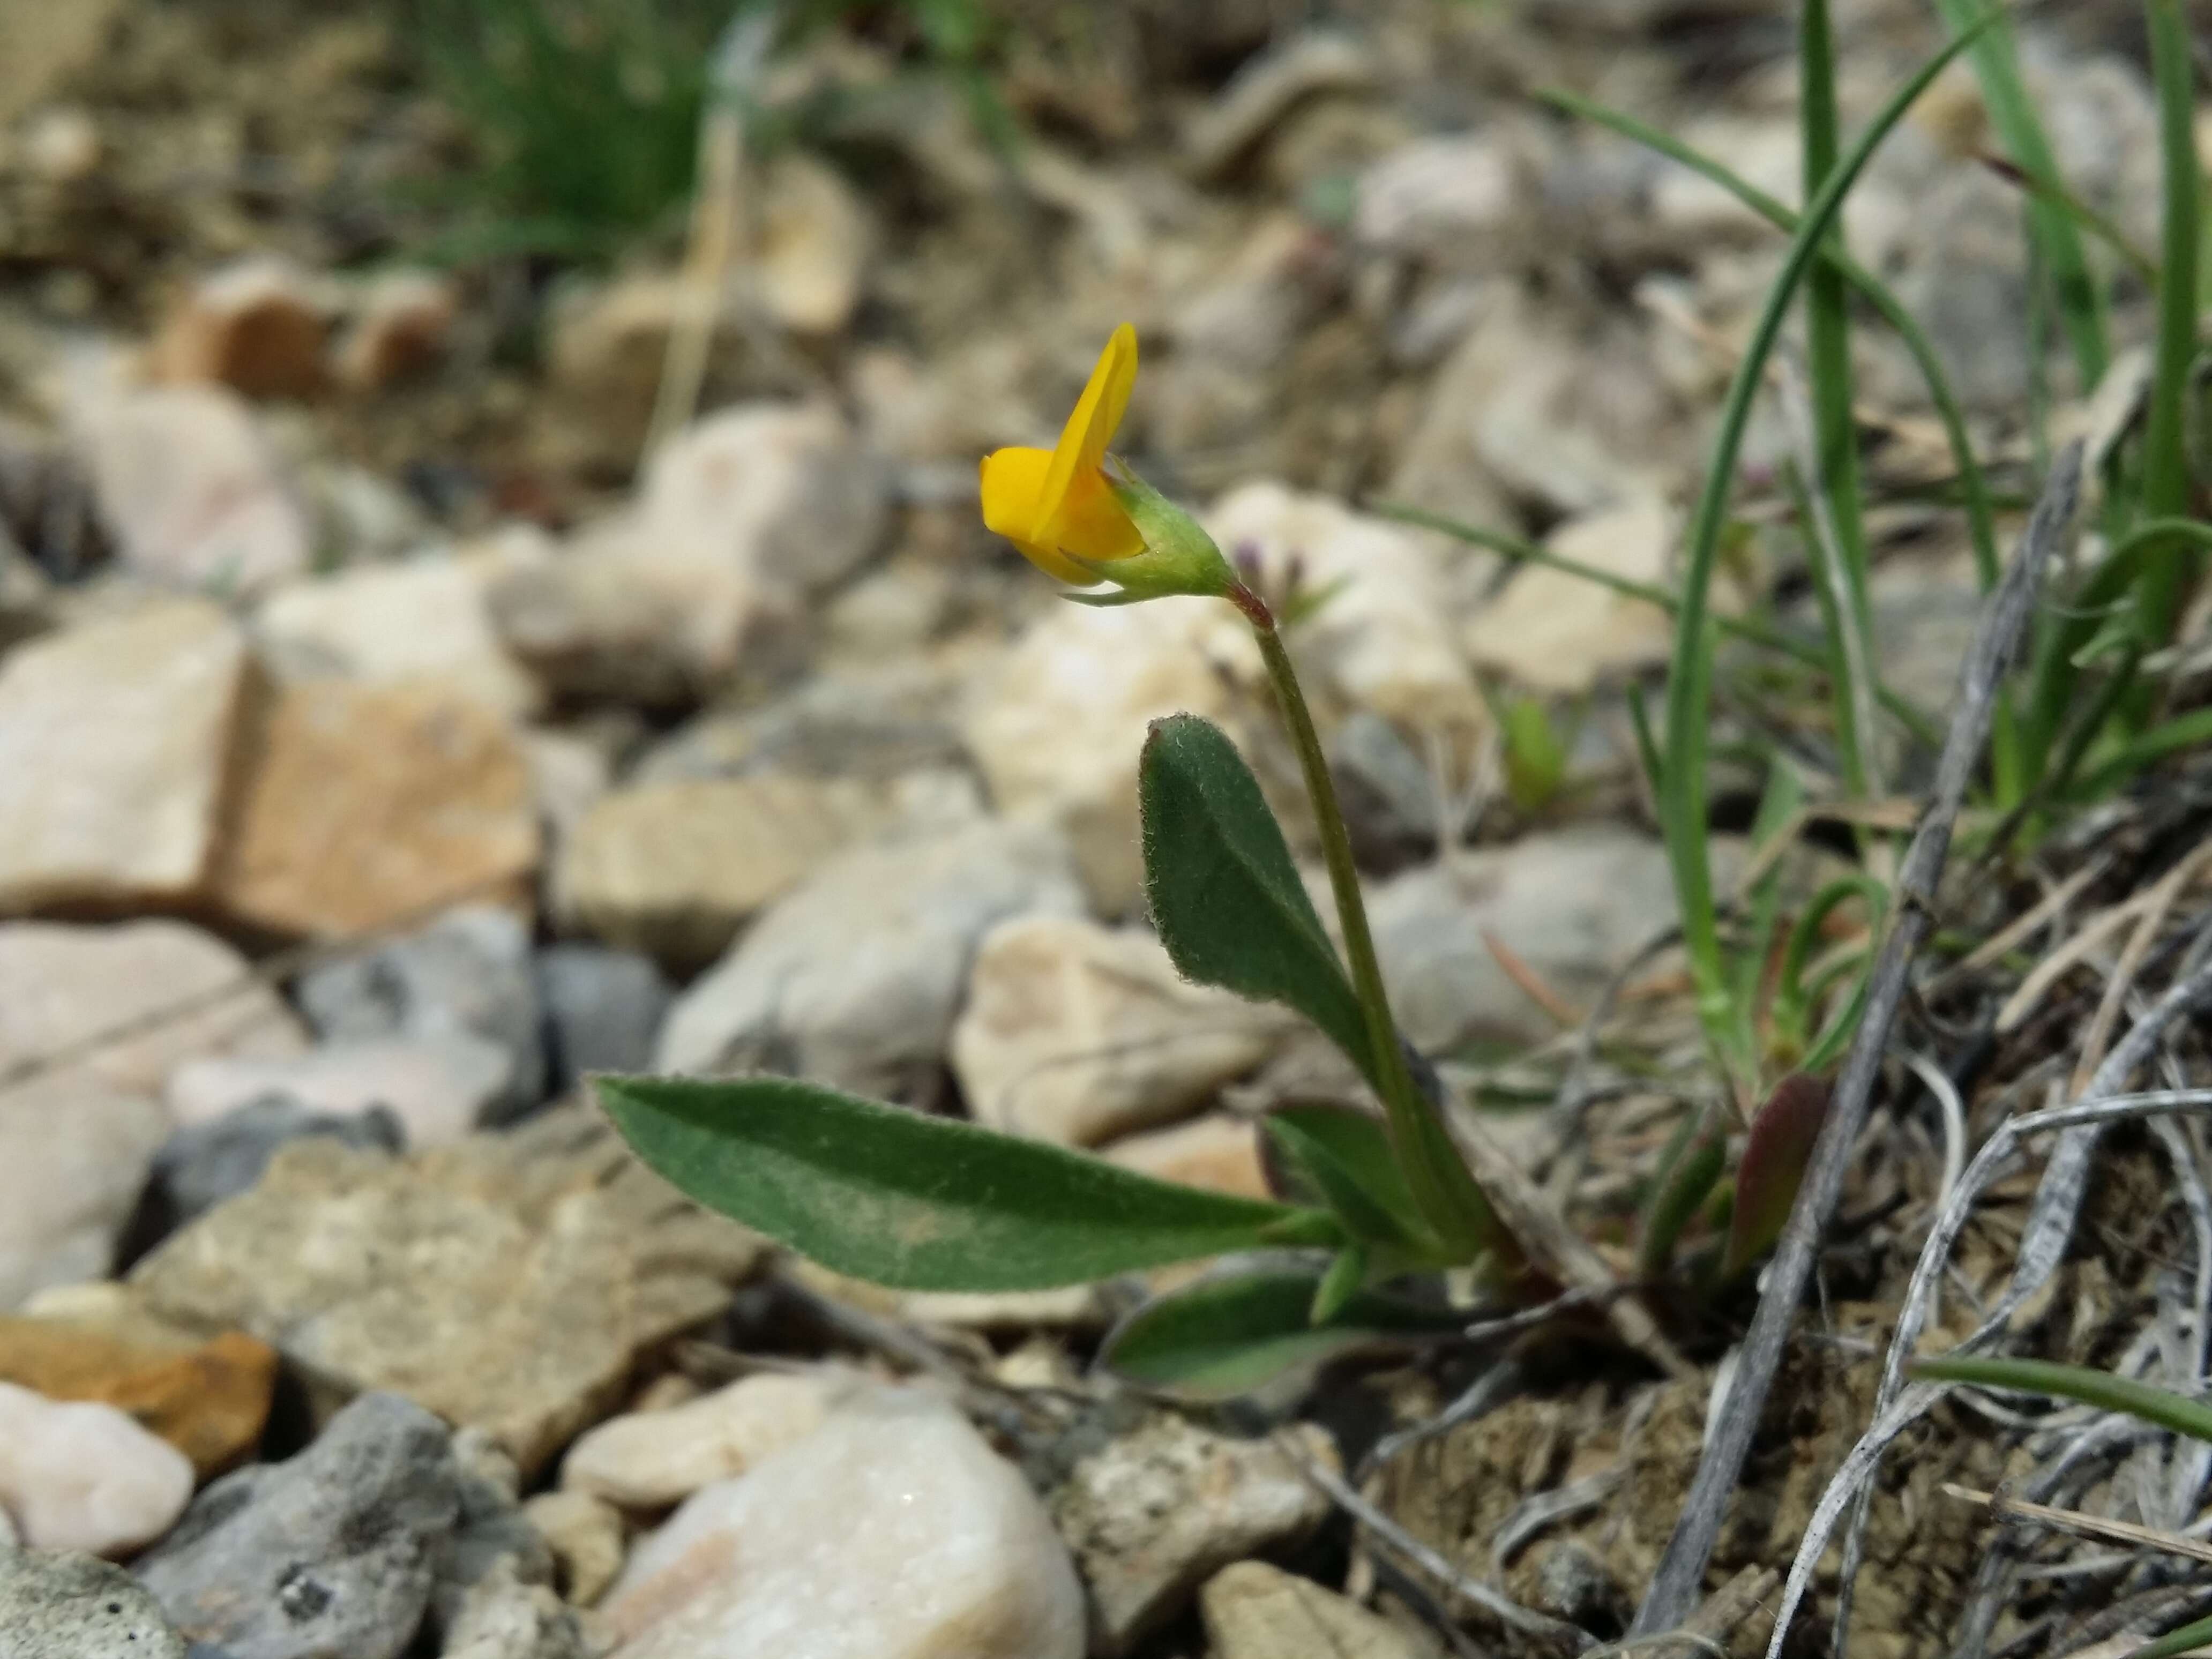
1056	504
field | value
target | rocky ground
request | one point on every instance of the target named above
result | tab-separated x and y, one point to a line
384	746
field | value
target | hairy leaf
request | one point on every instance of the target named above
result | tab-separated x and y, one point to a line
1341	1157
1224	894
926	1203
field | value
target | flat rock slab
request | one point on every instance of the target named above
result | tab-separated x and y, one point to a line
360	806
506	1282
114	738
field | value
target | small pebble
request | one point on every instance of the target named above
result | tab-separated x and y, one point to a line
648	1460
83	1476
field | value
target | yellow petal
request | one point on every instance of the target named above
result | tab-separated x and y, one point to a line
1091	524
1013	491
1097	416
1012	483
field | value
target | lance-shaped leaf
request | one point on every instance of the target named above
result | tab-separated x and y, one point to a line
1341	1157
1773	1167
1228	1335
926	1203
1224	894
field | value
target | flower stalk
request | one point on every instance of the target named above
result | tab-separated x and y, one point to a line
1449	1201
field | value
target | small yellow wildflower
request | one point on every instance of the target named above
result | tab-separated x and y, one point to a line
1056	505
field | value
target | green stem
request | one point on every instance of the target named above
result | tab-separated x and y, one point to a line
1445	1192
2166	458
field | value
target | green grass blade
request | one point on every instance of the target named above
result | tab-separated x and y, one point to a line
2166	458
2081	305
2168	738
1682	803
2091	1386
1973	486
2187	1639
1841	567
1746	628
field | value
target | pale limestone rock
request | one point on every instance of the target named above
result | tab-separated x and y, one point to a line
1266	88
1571	905
62	985
853	978
1255	1611
76	1140
892	1532
1526	409
742	518
1563	634
423	620
191	492
1057	728
1384	641
815	239
257	325
74	1155
1077	1033
508	1282
1448	196
114	741
1151	1515
1217	1151
84	1476
364	806
586	1536
648	1460
676	868
440	1086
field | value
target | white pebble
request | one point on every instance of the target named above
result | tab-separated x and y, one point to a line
80	1476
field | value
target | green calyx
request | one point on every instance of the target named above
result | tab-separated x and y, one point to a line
1179	557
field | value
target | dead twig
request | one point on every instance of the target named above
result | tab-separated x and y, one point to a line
2084	1526
1674	1587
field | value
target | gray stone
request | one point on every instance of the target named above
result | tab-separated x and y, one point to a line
468	974
1572	906
492	1540
603	1010
855	977
330	1555
203	1163
504	1616
73	1606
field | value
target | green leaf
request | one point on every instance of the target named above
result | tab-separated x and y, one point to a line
2163	1406
926	1203
1226	1336
1687	1172
1347	1273
1535	759
1341	1158
1224	894
1773	1167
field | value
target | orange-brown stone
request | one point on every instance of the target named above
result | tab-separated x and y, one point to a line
210	1403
